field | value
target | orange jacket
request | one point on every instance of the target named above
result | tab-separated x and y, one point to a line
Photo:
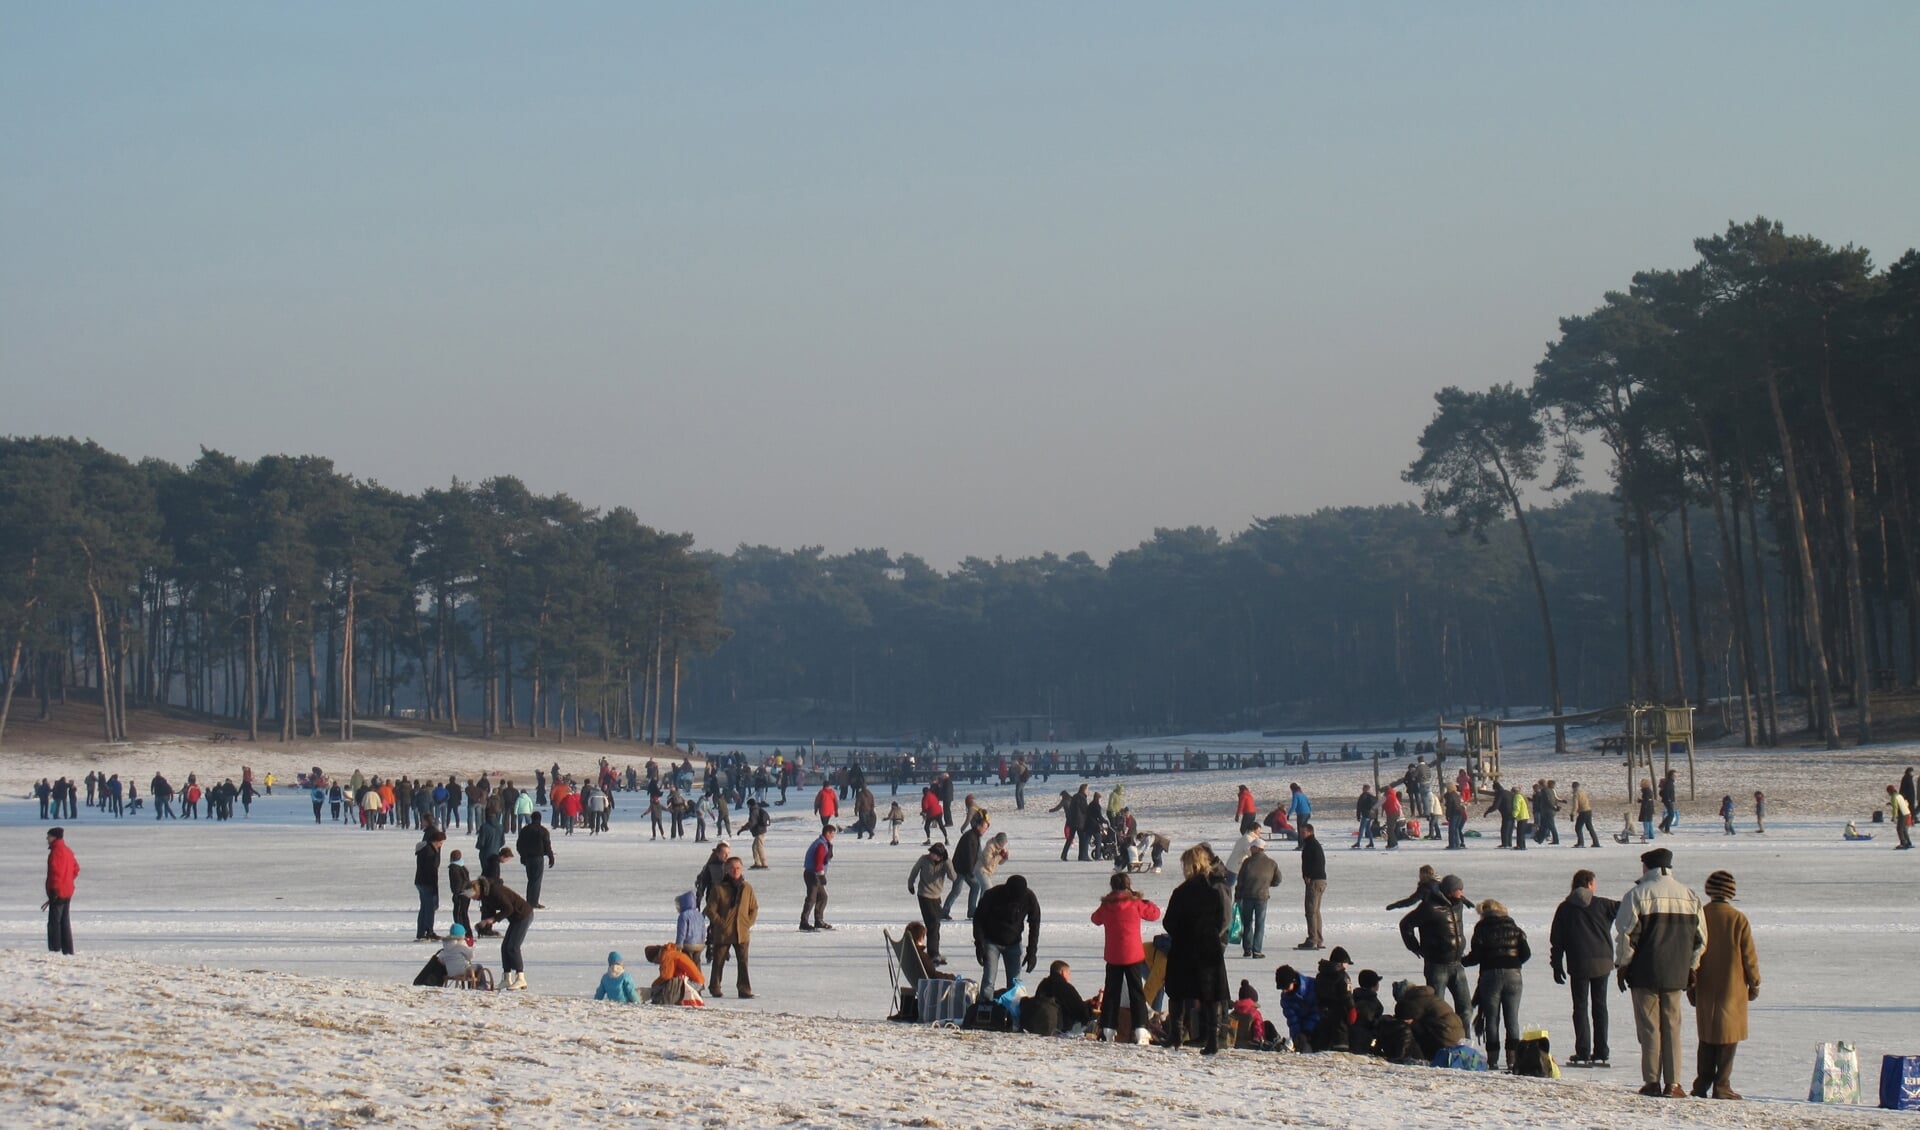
674	963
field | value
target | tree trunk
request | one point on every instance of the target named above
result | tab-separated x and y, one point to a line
1850	543
252	703
1733	570
1626	596
1810	602
1771	701
1546	620
1673	626
1693	608
347	679
673	714
106	659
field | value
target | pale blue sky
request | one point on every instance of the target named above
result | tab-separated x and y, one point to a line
992	279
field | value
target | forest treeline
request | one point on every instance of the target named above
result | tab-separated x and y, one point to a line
1757	412
1755	540
283	593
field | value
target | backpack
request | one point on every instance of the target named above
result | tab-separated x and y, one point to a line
1040	1016
1534	1057
988	1016
1395	1042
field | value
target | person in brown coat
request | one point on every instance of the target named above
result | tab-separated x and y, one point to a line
732	910
1729	977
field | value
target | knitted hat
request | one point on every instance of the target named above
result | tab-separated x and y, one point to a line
1720	886
1339	956
1451	885
458	931
1659	858
614	958
1369	979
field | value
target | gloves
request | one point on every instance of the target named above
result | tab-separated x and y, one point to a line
1559	976
1691	999
1753	992
1032	960
980	954
1621	978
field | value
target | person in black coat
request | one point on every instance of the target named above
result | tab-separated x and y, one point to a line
535	848
997	923
1333	1000
1581	949
500	902
1313	875
1499	948
1196	922
1367	1014
426	881
1058	987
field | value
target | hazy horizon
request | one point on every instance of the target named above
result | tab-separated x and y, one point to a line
983	283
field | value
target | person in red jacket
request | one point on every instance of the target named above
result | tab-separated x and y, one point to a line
826	805
1120	913
1244	808
931	812
62	870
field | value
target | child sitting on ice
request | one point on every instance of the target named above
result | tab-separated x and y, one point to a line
615	983
1853	833
1260	1034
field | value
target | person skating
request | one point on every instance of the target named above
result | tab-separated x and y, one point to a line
814	874
758	821
1582	804
1902	813
1426	885
535	846
928	882
966	865
1659	937
62	870
1581	953
1728	978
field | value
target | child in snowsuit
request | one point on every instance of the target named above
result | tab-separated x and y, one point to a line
616	984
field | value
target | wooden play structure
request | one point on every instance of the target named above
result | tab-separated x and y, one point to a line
1652	727
1479	744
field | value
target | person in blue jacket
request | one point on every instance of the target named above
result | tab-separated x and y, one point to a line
319	797
1299	808
1297	1004
616	984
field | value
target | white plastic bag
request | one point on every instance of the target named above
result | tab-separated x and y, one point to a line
1836	1074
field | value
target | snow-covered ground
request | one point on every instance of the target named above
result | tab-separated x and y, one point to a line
329	1034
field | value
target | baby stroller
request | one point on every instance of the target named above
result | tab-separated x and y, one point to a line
1101	842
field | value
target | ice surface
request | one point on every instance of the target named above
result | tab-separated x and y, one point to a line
330	912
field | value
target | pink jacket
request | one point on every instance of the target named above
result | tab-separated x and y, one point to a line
1121	913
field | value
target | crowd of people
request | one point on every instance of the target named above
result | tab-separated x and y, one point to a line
1658	941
